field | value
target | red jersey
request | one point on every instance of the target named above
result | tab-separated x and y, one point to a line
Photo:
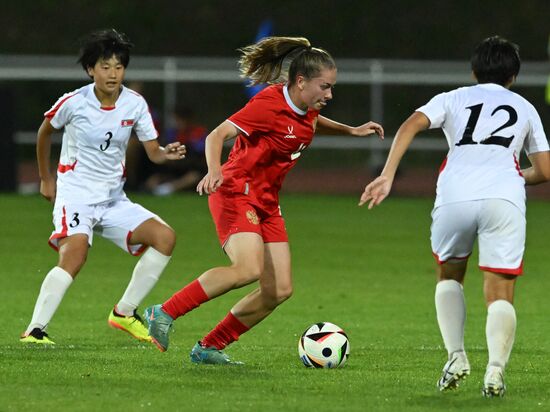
274	132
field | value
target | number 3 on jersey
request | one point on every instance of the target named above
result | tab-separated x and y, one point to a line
475	111
107	142
295	155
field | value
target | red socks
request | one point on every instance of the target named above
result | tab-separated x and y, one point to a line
185	300
226	332
191	296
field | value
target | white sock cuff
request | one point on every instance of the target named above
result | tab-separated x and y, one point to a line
502	306
61	276
448	285
154	256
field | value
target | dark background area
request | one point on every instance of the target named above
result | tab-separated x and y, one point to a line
420	30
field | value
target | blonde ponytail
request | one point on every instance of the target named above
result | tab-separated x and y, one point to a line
262	62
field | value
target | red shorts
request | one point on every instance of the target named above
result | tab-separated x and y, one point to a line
238	213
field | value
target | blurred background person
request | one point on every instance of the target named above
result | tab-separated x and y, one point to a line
138	166
172	177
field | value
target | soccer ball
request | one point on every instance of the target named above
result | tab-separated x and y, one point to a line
323	345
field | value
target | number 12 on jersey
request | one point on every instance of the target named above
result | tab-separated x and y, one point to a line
475	111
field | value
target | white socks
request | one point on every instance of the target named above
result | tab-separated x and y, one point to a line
451	314
54	286
500	331
146	274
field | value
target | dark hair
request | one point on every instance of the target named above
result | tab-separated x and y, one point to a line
496	60
103	44
263	61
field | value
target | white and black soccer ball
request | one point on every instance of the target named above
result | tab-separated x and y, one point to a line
324	345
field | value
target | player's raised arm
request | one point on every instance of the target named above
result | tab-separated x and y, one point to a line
376	191
328	126
43	150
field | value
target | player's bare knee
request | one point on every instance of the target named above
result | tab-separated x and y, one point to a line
164	240
72	266
273	299
284	294
452	270
247	273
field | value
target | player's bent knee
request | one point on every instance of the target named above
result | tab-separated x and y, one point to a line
164	240
247	275
272	300
72	266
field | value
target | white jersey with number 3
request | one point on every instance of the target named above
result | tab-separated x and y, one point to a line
91	166
486	127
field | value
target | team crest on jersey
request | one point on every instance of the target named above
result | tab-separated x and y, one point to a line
127	122
290	134
252	217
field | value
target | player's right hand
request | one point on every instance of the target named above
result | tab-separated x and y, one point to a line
210	183
48	188
376	191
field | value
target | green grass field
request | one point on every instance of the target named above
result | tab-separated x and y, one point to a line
371	272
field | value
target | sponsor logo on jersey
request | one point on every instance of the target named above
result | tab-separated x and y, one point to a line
290	134
127	123
252	217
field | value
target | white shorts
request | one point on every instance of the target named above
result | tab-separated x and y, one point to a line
115	221
498	224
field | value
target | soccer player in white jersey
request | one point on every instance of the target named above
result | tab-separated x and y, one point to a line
88	195
480	193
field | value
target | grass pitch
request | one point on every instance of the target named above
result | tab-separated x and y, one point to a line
370	272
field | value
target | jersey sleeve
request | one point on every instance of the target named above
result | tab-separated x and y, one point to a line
61	112
254	117
435	110
144	126
536	139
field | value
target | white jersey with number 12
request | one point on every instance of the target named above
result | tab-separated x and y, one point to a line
486	127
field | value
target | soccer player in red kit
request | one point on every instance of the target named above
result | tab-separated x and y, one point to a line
271	132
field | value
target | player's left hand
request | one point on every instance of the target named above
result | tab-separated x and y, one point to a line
175	151
369	128
376	191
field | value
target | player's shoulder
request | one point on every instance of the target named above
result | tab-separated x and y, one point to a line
131	97
75	96
522	100
132	94
270	93
68	101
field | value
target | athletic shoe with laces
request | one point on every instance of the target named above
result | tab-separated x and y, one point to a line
160	323
130	324
493	382
36	335
455	370
210	356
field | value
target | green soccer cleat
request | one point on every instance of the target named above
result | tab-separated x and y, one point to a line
130	324
38	336
210	356
160	323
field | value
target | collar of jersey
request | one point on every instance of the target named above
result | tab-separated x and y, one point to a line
96	100
291	103
493	86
